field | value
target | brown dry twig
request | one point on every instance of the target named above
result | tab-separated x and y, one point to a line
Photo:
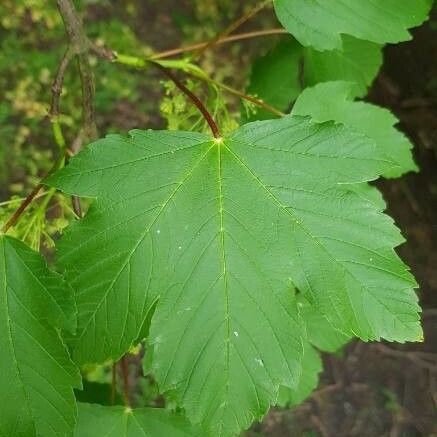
79	46
425	360
234	26
222	40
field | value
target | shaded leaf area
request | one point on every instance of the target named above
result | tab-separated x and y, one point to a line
322	337
98	420
320	24
279	76
36	374
334	101
97	393
222	237
312	366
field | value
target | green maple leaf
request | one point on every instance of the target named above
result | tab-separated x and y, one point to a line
334	101
359	62
321	23
279	76
222	231
97	420
36	374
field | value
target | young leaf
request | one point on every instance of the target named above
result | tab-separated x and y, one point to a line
334	101
279	76
222	230
36	374
320	24
97	420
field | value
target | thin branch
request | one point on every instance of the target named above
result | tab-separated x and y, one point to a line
196	101
30	197
80	45
101	52
17	200
234	26
88	92
141	63
416	357
24	204
228	39
59	81
73	26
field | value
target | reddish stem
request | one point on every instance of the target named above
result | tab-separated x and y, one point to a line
24	204
197	102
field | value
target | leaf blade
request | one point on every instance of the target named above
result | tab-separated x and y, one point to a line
37	375
283	72
259	213
98	420
333	101
320	24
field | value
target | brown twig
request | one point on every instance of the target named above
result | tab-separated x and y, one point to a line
24	204
422	359
234	26
101	52
30	197
318	424
59	81
87	81
79	45
73	24
228	39
430	312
